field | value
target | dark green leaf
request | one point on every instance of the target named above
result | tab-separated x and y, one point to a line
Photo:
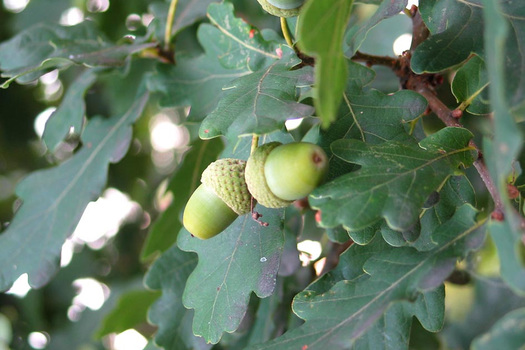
186	13
455	27
507	333
370	116
238	45
54	200
342	307
394	181
169	274
70	113
456	192
131	310
470	86
42	47
321	28
357	34
261	102
164	231
195	82
219	288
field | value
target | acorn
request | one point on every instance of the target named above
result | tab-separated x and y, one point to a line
282	8
277	174
219	200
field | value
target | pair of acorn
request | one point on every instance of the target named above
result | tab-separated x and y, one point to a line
275	175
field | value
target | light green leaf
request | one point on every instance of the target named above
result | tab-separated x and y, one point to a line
70	113
394	181
510	253
507	333
470	86
321	28
219	288
169	274
43	47
164	231
54	200
261	102
508	139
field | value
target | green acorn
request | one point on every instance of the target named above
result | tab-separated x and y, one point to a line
219	200
277	175
282	8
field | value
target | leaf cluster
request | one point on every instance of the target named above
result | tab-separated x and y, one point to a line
414	196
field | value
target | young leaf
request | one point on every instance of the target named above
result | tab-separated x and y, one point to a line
342	312
195	82
507	333
394	181
42	47
169	274
70	113
219	288
261	102
455	27
357	34
164	231
470	86
238	44
321	28
54	200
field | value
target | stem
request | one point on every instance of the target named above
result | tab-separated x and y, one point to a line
286	32
169	23
255	143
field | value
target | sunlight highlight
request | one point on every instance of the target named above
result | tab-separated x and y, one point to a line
72	16
21	286
38	340
102	219
129	340
402	43
15	6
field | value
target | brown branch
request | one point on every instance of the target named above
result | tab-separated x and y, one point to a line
371	60
446	116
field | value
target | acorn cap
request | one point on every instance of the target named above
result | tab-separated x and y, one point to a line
256	180
273	10
226	178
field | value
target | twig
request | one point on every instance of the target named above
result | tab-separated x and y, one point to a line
445	114
169	24
286	32
370	60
